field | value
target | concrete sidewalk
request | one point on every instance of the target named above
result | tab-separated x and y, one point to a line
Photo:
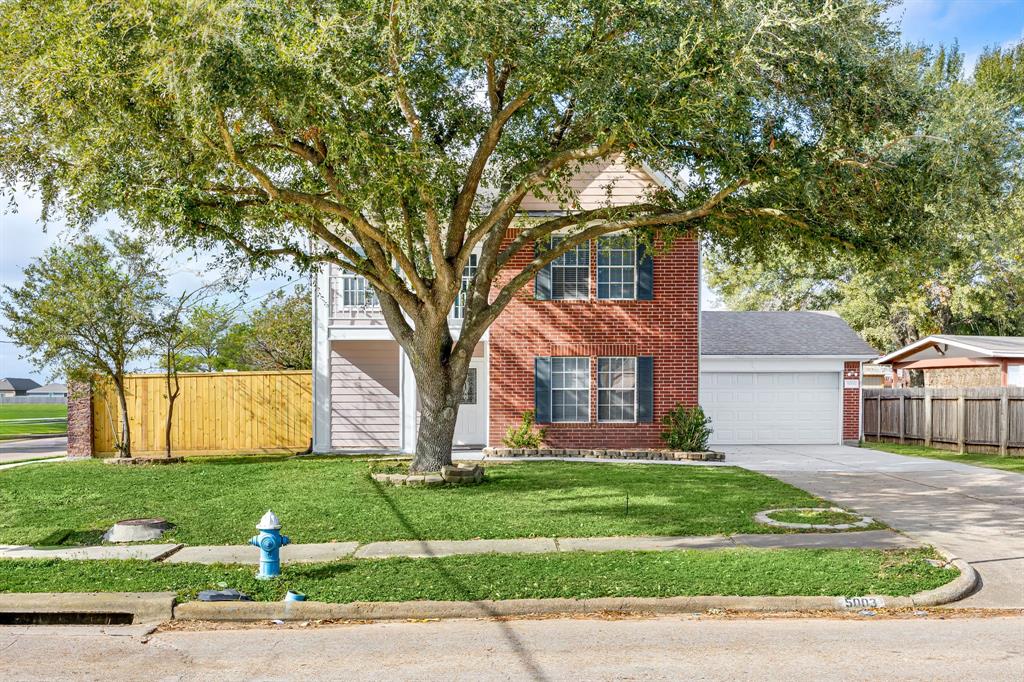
333	551
974	512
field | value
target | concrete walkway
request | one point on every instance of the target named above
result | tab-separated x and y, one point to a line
32	448
974	512
333	551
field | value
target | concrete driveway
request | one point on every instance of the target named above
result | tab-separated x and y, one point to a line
975	512
32	448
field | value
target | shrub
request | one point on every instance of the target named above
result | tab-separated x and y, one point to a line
686	428
525	435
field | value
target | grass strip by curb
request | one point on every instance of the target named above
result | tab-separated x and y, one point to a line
575	575
1008	463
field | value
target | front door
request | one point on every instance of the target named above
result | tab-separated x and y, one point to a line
471	426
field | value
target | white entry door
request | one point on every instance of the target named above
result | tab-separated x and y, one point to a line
756	408
471	426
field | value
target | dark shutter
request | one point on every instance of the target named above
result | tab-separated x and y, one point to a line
645	389
542	389
542	281
644	274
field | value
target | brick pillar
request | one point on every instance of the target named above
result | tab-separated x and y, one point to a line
851	404
80	426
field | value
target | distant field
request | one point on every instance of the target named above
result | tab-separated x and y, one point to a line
11	425
33	411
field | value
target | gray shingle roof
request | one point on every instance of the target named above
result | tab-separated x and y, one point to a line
13	384
50	388
779	333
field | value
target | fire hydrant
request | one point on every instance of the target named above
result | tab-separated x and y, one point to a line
270	541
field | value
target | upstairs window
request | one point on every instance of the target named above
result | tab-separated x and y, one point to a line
468	272
616	267
356	292
570	273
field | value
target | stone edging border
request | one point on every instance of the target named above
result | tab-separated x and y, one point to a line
649	454
156	606
765	519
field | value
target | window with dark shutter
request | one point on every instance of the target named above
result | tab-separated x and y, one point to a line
570	389
616	389
645	389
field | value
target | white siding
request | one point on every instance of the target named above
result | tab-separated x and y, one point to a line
364	394
599	183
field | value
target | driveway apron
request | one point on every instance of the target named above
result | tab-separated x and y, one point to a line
974	512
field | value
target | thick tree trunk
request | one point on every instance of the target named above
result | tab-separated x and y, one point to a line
440	376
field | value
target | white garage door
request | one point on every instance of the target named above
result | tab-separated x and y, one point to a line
772	407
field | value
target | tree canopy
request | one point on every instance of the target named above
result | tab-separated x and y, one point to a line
965	275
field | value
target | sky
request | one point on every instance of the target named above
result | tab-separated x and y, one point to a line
974	24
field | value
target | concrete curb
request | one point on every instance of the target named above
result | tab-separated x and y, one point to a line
953	591
145	607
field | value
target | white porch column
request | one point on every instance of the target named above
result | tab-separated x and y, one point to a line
321	361
407	402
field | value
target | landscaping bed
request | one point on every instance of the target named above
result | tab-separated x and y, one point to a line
219	501
579	575
1008	463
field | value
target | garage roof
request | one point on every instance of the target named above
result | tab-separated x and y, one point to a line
953	346
801	332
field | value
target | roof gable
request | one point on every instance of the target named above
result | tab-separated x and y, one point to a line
958	346
604	182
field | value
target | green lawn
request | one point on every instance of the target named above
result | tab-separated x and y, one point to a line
823	516
992	461
492	576
219	501
11	427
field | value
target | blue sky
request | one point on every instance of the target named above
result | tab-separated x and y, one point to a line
974	24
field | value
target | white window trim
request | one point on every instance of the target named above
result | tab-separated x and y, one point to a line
552	389
636	390
597	273
590	258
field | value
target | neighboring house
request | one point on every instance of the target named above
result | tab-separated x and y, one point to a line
11	387
50	391
878	376
602	344
951	361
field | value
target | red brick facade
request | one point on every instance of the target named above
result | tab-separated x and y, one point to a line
666	328
851	402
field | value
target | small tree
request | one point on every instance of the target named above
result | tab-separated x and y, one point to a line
87	309
174	333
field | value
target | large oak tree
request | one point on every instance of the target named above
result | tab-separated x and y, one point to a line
403	135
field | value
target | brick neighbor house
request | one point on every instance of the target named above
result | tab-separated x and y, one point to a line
602	344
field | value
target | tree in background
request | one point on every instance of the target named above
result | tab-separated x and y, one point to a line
279	333
965	272
208	326
87	310
360	134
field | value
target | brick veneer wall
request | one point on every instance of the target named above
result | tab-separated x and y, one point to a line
80	426
851	403
665	328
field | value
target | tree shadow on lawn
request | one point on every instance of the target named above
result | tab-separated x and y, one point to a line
71	538
528	661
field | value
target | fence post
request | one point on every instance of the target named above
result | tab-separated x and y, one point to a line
80	422
1004	423
878	419
927	418
903	418
961	421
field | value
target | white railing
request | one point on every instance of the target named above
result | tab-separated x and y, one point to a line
354	300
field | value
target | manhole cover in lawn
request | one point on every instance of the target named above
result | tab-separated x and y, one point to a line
813	518
136	530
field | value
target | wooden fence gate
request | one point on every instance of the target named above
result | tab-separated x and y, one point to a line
216	412
984	420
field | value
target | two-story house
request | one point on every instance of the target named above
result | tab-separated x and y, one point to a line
601	344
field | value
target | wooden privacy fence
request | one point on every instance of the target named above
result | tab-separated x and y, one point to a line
215	412
984	420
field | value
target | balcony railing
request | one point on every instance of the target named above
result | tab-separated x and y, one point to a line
353	299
